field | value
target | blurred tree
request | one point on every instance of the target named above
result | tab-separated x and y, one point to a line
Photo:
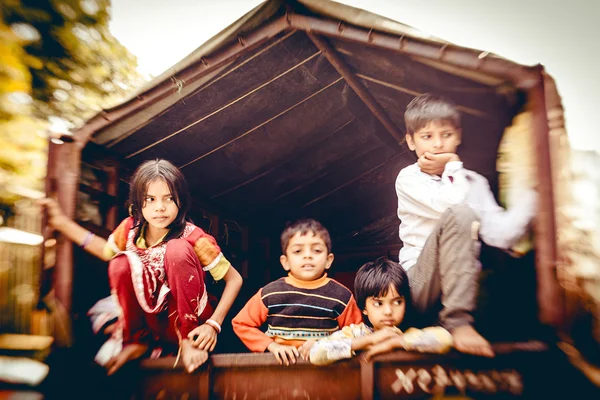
57	60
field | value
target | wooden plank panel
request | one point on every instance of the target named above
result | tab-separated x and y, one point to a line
516	370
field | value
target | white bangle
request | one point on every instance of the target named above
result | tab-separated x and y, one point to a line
214	324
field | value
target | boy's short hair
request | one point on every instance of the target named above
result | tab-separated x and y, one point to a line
426	108
374	279
304	226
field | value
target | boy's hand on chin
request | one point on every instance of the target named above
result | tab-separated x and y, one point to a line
434	164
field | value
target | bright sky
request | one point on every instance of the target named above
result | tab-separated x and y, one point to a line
563	35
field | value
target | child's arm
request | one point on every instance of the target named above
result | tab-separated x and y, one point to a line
245	326
212	260
420	195
433	339
206	334
74	232
233	284
246	323
337	346
344	343
503	228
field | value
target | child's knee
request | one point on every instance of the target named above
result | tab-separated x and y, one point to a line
179	250
463	218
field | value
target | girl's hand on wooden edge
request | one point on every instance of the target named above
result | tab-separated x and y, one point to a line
203	337
285	355
385	334
390	344
304	350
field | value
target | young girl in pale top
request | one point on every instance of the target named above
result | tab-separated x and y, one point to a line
157	270
383	294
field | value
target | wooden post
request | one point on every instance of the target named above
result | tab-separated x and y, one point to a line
49	191
68	163
214	226
112	188
67	184
549	294
244	267
204	388
367	384
358	87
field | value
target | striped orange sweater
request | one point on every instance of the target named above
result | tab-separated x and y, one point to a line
295	311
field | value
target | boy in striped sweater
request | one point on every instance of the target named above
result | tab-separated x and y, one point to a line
305	305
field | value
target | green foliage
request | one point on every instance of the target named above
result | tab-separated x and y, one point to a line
57	58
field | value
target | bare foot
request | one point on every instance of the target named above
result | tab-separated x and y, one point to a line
129	352
468	340
191	356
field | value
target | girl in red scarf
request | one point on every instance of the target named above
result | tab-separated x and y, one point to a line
158	261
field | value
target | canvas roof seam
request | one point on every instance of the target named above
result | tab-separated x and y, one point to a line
261	124
262	51
362	92
208	84
275	167
298	187
372	228
215	112
395	156
465	109
316	178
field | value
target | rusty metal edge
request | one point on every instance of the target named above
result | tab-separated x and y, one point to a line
523	77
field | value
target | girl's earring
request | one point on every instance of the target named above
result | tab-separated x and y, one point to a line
131	210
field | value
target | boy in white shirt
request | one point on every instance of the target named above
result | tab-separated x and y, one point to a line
444	209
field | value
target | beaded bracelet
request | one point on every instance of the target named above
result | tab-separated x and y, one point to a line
214	324
87	240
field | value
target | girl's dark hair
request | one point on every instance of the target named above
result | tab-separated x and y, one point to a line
374	278
152	170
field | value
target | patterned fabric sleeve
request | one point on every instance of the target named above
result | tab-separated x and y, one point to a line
338	345
118	238
210	256
433	339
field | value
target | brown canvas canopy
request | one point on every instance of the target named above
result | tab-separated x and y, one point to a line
296	109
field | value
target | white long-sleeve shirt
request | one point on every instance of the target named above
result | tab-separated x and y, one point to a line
423	198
